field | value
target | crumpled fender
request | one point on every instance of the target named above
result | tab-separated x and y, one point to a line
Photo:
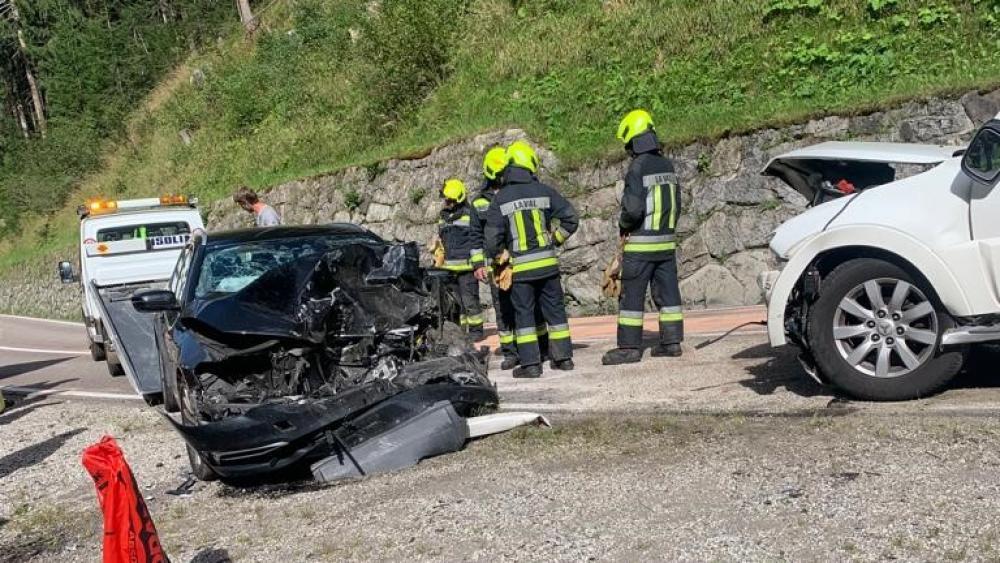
875	237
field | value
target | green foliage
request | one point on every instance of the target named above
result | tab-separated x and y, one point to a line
409	46
785	7
704	162
417	195
352	199
880	6
351	83
936	15
95	62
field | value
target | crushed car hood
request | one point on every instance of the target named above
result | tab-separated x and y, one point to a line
294	301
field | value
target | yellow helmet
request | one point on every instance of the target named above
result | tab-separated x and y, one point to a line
521	154
494	162
453	189
634	123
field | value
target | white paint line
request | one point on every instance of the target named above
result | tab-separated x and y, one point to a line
31	392
44	351
53	321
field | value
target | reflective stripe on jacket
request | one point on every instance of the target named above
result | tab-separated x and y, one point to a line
461	236
651	205
521	220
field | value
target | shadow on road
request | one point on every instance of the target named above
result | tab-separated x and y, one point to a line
212	555
35	453
17	401
28	367
10	415
780	369
979	370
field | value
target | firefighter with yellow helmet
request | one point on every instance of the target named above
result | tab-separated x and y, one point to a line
460	251
529	220
651	204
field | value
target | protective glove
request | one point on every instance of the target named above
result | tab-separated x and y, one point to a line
437	250
611	282
503	273
505	277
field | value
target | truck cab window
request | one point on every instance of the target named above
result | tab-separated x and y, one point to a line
143	231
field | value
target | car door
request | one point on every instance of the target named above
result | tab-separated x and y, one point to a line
981	164
170	319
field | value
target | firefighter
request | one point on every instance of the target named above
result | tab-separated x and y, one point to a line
521	221
494	163
650	207
459	235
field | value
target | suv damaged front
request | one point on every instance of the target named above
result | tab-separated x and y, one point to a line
277	372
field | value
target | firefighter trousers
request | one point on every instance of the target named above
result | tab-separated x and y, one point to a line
468	295
503	305
637	275
542	297
504	308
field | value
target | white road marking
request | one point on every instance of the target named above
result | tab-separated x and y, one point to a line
44	351
31	392
53	321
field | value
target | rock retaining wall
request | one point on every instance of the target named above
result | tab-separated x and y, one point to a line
729	209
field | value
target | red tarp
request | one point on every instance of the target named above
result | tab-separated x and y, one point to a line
129	533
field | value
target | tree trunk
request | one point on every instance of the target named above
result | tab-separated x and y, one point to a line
22	120
246	16
166	11
36	95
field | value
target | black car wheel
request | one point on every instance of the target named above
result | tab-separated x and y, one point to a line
199	468
168	383
875	332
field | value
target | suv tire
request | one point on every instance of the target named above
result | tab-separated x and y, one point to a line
875	332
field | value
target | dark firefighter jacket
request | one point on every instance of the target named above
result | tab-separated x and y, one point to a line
482	203
651	202
461	235
520	220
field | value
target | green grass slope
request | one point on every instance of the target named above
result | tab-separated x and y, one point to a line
329	84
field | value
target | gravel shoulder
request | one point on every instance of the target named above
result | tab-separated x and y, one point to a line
730	453
848	485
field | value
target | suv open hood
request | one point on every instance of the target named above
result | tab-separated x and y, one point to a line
864	165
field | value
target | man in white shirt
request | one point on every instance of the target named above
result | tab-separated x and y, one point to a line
264	214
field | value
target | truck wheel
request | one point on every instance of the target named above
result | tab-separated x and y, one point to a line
875	332
97	352
114	366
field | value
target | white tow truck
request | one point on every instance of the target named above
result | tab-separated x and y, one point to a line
886	281
126	246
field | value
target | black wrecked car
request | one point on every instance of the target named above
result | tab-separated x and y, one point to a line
291	344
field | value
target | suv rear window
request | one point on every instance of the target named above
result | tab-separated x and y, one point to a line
130	232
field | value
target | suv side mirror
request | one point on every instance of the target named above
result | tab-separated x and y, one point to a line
981	161
154	301
66	273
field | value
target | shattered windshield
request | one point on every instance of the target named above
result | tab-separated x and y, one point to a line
229	269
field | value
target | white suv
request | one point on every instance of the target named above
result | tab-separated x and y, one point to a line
884	281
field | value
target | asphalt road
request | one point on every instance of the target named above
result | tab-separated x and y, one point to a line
735	373
51	357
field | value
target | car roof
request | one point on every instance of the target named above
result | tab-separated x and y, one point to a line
286	231
903	153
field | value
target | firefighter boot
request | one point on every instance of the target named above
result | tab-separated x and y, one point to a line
509	362
528	372
620	356
666	351
562	365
